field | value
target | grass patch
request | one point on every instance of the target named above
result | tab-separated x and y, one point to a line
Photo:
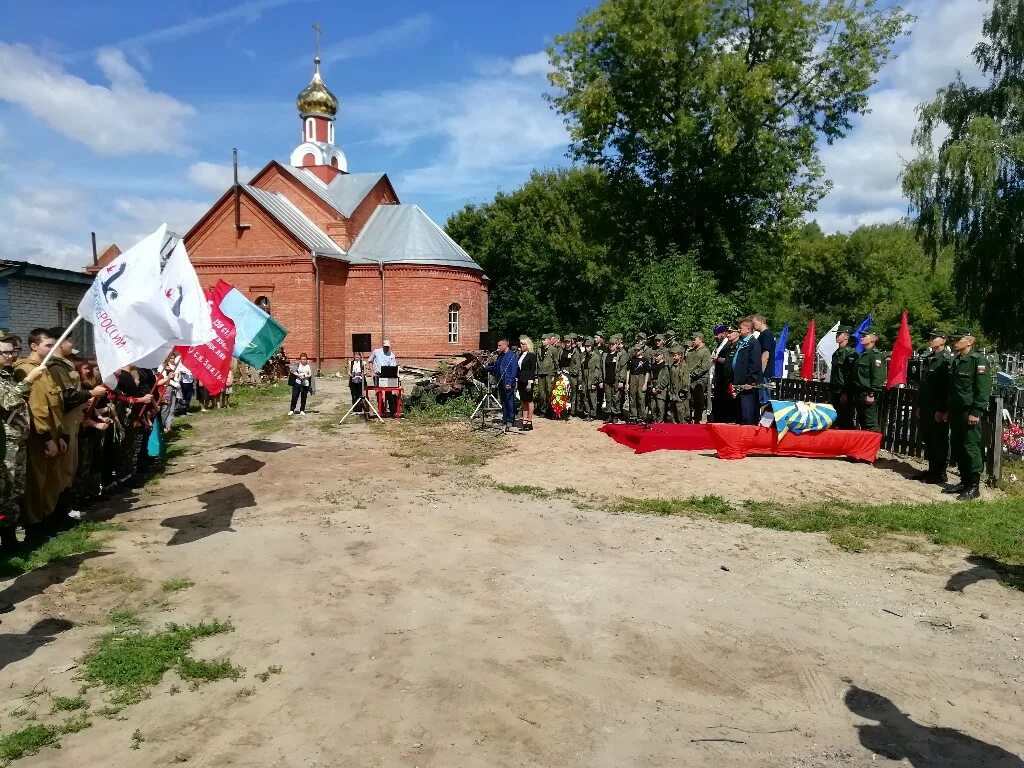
993	529
200	671
523	490
129	659
76	724
269	426
68	704
428	409
273	669
137	739
27	741
246	395
90	579
176	585
86	537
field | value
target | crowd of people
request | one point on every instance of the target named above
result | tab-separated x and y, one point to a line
673	382
69	441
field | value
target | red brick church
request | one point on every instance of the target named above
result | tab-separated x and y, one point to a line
335	253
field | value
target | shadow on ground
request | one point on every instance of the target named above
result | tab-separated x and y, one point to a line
219	506
984	569
16	647
896	736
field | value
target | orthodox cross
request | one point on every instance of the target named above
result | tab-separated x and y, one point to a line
317	31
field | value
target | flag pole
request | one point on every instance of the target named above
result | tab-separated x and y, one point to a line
60	341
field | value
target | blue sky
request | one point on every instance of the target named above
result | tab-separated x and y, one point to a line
115	116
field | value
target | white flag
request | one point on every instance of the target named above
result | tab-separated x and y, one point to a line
184	295
827	347
130	316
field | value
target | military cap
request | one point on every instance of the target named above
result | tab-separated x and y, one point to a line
570	337
733	328
588	342
677	351
638	347
602	334
659	352
960	333
697	335
670	333
937	333
844	329
641	335
871	331
616	338
659	337
5	334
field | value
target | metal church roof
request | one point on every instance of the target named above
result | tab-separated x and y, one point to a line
404	234
344	192
295	221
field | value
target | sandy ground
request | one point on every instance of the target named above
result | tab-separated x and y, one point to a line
421	619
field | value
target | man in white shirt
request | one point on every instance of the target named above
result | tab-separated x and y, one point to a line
382	357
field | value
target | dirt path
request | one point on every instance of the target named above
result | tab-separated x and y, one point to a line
422	620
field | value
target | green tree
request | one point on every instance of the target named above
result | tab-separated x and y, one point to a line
668	291
708	112
968	191
547	250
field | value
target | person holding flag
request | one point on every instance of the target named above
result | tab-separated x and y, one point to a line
843	370
869	380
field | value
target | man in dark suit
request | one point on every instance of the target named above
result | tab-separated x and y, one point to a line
748	375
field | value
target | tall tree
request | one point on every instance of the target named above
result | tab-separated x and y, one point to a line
968	191
709	111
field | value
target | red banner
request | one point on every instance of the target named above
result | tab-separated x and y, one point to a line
809	352
211	362
902	351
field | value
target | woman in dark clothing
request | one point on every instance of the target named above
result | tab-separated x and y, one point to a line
526	379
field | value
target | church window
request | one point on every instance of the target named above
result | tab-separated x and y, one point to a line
310	129
330	133
453	324
308	159
334	161
263	303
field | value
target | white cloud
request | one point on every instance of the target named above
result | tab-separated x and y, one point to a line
217	178
406	32
122	119
45	225
139	216
247	12
865	167
486	131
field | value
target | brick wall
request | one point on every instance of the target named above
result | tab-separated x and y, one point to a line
34	304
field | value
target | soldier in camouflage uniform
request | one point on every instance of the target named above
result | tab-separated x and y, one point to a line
679	388
547	367
636	385
969	389
574	369
698	362
14	434
610	377
658	388
594	376
933	408
621	379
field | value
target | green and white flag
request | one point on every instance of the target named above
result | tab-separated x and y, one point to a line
257	334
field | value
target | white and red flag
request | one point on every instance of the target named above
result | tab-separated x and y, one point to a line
210	362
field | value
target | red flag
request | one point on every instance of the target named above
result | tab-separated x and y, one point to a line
211	362
901	352
809	351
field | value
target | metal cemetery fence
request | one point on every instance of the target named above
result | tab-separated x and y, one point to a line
897	409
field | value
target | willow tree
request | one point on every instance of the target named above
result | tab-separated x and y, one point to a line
711	112
968	189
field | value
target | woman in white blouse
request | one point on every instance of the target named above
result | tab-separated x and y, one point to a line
302	384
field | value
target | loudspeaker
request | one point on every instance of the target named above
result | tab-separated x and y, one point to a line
485	340
361	343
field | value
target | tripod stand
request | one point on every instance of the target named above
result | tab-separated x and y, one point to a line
367	405
487	404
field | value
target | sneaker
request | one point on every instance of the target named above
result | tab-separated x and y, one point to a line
302	413
291	413
74	514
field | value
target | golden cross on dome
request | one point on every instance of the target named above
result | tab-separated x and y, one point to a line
317	31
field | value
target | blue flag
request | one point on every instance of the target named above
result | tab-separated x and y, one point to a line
780	352
155	444
860	329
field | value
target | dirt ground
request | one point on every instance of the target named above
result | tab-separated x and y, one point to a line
422	619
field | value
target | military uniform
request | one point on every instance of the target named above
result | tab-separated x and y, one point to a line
42	478
678	389
969	389
591	365
73	397
575	370
869	381
547	364
659	386
622	382
14	434
844	364
698	362
933	401
609	361
639	370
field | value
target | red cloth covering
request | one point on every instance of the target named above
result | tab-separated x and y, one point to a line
733	441
659	437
